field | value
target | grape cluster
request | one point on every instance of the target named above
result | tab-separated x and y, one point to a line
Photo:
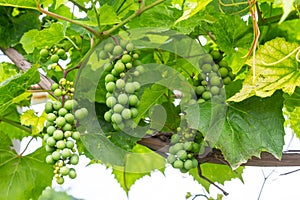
52	54
60	134
183	150
121	96
215	73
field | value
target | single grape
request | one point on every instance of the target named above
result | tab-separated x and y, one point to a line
60	180
51	141
123	99
61	52
69	117
110	87
129	88
51	117
67	127
134	112
119	67
108	47
171	158
118	108
66	153
72	173
70	104
68	134
109	78
130	47
126	58
70	144
64	170
107	116
126	113
48	107
133	100
111	101
44	53
206	95
54	58
188	164
58	135
62	112
50	130
199	89
227	80
223	63
55	155
49	159
182	154
60	121
206	68
74	159
81	113
57	105
116	118
60	144
215	80
216	55
178	164
76	135
223	72
117	50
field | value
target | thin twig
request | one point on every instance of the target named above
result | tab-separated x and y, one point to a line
263	185
26	146
212	183
287	173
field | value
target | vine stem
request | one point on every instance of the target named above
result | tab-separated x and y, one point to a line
16	124
94	32
137	13
27	145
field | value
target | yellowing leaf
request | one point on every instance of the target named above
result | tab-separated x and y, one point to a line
269	77
191	8
28	118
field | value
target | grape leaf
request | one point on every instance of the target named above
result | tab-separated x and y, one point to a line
269	77
16	170
246	129
40	39
148	99
11	129
216	173
28	118
294	117
13	26
137	164
190	8
19	3
14	90
287	8
292	110
7	70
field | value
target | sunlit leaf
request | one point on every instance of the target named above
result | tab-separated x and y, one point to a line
29	118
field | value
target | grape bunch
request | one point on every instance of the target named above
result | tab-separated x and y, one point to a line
121	96
215	73
60	133
52	54
183	150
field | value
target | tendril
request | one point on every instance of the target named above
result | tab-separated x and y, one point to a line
285	57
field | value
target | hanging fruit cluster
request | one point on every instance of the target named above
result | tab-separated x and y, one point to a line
53	54
60	133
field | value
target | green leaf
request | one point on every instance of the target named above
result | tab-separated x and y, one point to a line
14	129
294	122
287	8
191	8
59	3
14	90
246	129
7	70
23	177
216	173
108	16
101	148
149	98
13	26
292	108
29	118
137	164
40	39
19	3
173	119
272	71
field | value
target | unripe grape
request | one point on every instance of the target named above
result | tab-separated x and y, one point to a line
70	104
206	95
110	87
69	118
199	89
137	85
66	153
111	101
62	112
60	144
57	105
227	80
206	68
108	47
140	69
214	90
51	117
223	63
72	173
175	138
128	65
118	108
61	52
133	100
50	130
67	134
54	58
182	154
188	164
49	159
60	121
74	159
55	155
109	78
126	113
51	141
120	83
126	58
48	107
60	180
44	53
108	67
130	47
49	148
134	112
129	88
76	135
107	116
195	162
216	55
81	113
178	164
57	92
70	144
58	135
116	118
64	170
117	50
67	127
103	55
123	99
119	67
171	158
188	146
215	80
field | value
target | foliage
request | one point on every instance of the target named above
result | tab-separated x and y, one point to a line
222	74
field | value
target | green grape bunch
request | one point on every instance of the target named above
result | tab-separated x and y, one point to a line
60	135
215	73
52	54
121	97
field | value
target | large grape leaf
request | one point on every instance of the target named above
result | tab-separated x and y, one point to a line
216	173
28	118
15	24
40	39
23	177
137	164
14	90
267	77
247	128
